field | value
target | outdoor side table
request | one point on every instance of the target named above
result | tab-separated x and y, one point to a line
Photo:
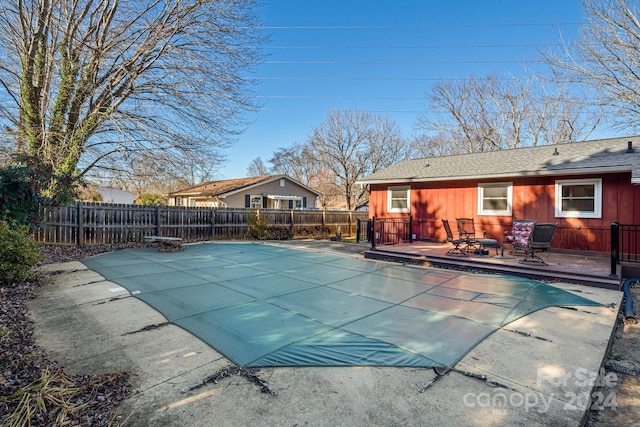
488	243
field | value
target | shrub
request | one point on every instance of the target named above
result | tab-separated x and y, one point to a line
18	254
282	232
151	200
27	188
257	228
260	229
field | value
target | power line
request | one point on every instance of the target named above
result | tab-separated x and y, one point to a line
400	62
394	27
316	110
402	98
444	46
369	98
325	78
324	110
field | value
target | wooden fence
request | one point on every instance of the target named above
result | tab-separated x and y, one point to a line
99	223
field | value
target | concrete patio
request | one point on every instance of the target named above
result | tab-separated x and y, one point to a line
538	370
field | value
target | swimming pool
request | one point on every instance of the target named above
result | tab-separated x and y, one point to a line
264	305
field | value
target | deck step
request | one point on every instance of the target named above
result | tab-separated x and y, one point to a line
523	270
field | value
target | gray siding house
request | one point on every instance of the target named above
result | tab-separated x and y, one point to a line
260	192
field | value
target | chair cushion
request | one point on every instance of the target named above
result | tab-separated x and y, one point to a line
521	232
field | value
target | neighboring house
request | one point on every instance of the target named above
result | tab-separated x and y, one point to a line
261	192
582	186
115	195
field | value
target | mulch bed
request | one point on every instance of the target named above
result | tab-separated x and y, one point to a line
35	390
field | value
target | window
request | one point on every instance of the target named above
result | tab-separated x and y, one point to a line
192	202
178	201
281	182
579	198
256	202
398	199
495	198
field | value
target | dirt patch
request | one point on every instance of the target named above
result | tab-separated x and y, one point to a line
617	401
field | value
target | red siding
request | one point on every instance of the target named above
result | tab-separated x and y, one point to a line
533	198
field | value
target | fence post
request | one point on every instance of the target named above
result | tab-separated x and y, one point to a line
615	247
157	220
80	238
410	229
358	230
213	223
373	232
291	220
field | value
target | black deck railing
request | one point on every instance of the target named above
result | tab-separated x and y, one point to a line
625	244
390	231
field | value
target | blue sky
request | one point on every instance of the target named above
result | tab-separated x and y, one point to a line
381	56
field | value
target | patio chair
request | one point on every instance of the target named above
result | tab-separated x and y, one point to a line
520	235
458	248
466	228
540	241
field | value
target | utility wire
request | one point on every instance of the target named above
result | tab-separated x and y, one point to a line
399	62
471	46
395	27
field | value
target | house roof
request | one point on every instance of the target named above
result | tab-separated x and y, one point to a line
589	157
226	187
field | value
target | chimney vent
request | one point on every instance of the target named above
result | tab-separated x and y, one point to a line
629	147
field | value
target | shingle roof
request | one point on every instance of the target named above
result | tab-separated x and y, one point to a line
216	188
225	186
598	156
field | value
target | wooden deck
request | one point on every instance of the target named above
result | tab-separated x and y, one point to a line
583	269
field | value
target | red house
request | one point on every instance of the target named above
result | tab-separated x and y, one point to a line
583	187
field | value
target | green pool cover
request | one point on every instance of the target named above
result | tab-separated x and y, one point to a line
264	305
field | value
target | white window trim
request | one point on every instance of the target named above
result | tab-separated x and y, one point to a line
506	212
399	188
597	195
255	196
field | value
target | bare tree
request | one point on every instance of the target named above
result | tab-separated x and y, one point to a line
257	167
352	144
423	145
149	174
465	118
295	161
493	113
85	83
555	116
606	58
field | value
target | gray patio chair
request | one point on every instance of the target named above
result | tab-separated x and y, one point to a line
460	245
540	241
